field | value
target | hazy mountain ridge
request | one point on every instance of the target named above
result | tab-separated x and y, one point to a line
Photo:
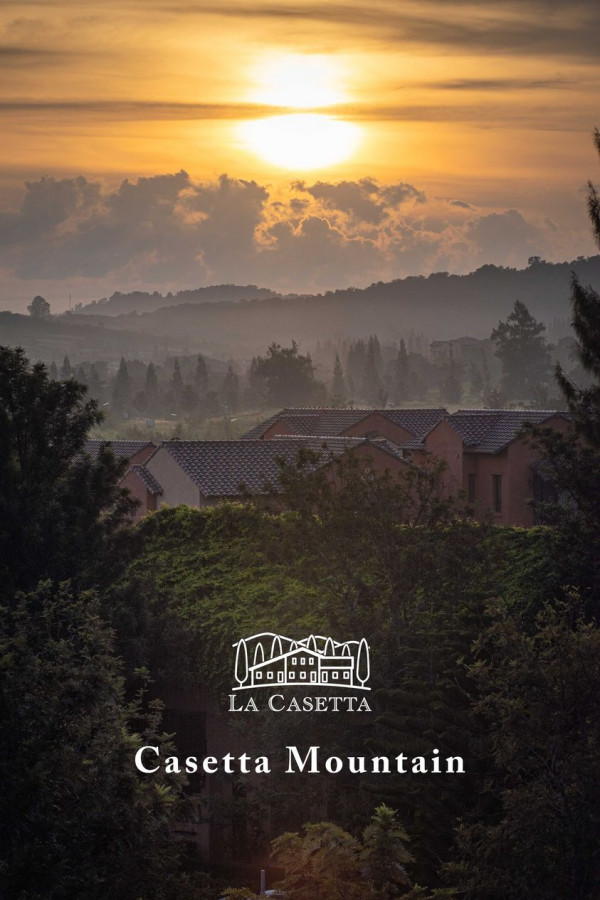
142	301
440	306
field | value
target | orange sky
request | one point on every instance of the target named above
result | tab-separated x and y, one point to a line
488	104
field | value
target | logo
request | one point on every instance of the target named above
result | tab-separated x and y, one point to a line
274	661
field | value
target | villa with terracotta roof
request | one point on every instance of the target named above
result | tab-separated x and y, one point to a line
203	473
136	452
489	461
486	457
398	425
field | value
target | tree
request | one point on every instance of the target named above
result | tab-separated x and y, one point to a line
76	820
288	376
66	370
338	386
39	308
323	862
476	381
384	856
59	509
176	386
231	390
523	352
121	393
584	403
450	386
540	696
151	390
401	388
372	386
201	376
327	863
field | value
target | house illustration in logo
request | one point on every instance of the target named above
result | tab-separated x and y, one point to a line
268	660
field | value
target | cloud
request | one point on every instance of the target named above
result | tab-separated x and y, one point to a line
542	27
169	232
364	200
506	235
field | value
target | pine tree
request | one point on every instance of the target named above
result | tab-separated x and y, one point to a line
201	376
523	352
401	375
584	403
355	367
451	387
53	371
121	393
372	386
151	390
475	381
338	386
176	387
66	370
231	390
384	856
94	384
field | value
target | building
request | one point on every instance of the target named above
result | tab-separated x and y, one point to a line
203	473
488	460
397	425
135	452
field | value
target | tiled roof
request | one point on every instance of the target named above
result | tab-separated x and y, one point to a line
491	430
417	443
417	421
122	449
219	468
147	478
327	421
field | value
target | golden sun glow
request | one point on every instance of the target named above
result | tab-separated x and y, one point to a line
301	141
298	82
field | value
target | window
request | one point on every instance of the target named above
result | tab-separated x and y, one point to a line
270	675
294	661
334	675
258	676
292	675
302	661
303	676
346	675
471	488
497	493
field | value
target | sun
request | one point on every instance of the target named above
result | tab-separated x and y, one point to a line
301	141
297	81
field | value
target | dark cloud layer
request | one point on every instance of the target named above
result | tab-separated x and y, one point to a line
533	26
170	232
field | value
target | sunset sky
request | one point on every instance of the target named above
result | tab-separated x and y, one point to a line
297	145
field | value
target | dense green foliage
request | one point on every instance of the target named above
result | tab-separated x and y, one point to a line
59	509
75	818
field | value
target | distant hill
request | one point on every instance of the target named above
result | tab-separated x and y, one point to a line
80	340
442	306
142	301
225	322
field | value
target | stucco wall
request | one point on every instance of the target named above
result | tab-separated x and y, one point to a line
142	455
444	443
375	422
139	491
176	486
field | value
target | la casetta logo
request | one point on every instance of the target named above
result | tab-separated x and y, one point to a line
273	661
